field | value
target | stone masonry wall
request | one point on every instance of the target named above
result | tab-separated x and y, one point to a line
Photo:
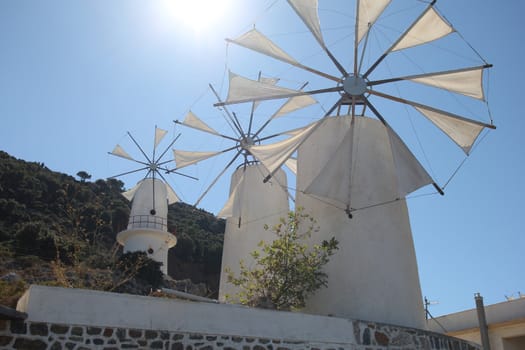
40	336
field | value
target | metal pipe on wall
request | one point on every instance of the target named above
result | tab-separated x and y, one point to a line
483	327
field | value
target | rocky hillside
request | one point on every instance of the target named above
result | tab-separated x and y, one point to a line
59	230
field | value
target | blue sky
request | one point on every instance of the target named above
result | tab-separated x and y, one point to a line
76	75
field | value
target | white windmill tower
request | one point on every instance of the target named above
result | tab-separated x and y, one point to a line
252	203
147	229
354	171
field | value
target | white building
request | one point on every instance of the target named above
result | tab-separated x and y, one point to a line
506	325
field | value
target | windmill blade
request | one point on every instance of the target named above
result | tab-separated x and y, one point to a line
368	12
462	131
166	150
273	156
291	163
170	192
291	105
232	206
140	148
241	88
218	177
294	104
191	120
120	152
246	90
232	119
411	175
465	81
265	80
129	194
273	160
333	182
185	158
129	172
159	135
307	11
256	41
429	26
181	174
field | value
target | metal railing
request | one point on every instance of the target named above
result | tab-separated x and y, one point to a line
148	221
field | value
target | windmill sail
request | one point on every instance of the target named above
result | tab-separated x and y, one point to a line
294	104
463	132
195	122
273	156
468	82
159	135
119	152
431	26
369	11
244	89
307	11
291	164
337	183
256	41
185	158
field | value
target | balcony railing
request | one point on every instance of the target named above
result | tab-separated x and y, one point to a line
148	221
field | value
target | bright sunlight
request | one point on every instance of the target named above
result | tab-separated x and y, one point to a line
198	15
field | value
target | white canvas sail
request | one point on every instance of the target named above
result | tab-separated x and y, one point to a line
131	192
119	152
274	155
255	40
294	104
171	195
431	26
159	135
291	164
185	158
468	82
369	11
195	122
244	89
307	11
463	132
232	208
410	173
336	182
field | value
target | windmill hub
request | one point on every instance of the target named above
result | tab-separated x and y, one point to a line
354	85
153	167
247	141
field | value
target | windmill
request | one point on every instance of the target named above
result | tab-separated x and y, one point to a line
252	203
354	171
148	222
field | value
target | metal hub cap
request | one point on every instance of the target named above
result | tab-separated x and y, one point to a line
354	85
246	142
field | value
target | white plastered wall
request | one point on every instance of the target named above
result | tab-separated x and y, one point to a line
259	204
373	276
148	232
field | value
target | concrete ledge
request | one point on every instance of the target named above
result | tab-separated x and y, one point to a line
87	307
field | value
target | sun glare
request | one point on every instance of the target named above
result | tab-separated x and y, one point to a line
198	15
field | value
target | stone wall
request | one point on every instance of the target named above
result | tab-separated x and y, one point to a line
76	319
40	336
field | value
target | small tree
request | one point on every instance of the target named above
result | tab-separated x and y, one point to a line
83	176
286	270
